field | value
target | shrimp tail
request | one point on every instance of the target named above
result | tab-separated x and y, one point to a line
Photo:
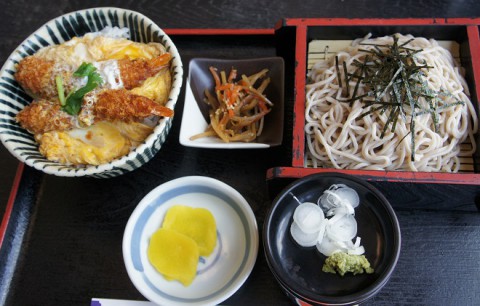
121	105
43	116
36	75
135	72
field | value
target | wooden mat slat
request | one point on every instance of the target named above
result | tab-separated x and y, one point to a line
325	49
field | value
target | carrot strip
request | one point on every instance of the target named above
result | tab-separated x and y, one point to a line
237	113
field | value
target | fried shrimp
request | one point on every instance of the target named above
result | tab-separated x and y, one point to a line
95	97
43	116
36	75
135	72
120	105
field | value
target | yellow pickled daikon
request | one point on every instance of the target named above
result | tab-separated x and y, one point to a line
174	255
197	223
186	234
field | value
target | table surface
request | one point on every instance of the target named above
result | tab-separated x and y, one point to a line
63	241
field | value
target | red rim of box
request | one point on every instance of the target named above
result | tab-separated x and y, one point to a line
298	143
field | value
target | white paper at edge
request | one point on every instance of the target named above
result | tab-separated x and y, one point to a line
114	302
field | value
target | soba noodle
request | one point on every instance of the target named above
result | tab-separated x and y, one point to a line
338	136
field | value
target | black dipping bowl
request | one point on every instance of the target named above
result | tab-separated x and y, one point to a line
298	269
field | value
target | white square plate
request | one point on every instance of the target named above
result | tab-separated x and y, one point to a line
195	112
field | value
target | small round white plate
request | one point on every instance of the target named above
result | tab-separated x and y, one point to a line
219	275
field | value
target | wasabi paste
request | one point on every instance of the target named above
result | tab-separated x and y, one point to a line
342	263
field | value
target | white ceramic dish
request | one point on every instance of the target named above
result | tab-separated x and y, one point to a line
195	110
13	98
218	275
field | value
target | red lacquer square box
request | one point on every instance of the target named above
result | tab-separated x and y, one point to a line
463	32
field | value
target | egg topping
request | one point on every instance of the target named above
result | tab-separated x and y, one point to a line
91	142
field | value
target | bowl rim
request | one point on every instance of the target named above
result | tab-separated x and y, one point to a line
129	159
349	299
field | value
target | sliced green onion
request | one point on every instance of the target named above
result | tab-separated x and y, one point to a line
60	89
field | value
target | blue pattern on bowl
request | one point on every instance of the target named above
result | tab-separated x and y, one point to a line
135	248
12	98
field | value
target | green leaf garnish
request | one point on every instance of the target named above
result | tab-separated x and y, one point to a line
84	70
73	102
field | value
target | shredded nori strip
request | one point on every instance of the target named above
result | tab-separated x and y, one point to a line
390	71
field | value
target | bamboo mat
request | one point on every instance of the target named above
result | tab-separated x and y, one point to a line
326	49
